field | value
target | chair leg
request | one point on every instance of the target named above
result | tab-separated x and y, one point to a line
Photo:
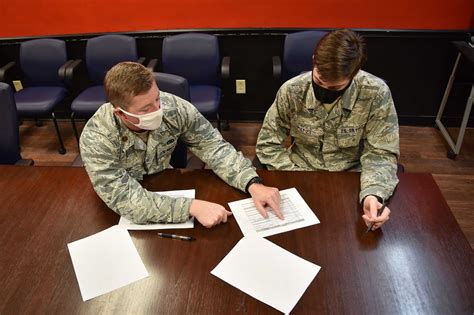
74	128
225	125
38	122
61	149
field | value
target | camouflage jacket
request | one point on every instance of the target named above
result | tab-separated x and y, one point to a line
361	128
116	159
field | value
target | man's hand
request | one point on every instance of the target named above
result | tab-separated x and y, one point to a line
208	213
370	207
264	196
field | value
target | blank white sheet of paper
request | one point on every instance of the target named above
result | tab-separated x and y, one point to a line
106	261
296	213
188	193
267	272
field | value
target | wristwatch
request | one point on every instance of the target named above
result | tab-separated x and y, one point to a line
254	180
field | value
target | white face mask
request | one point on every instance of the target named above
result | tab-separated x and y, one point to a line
150	121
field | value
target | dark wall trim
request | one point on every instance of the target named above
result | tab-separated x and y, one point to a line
461	34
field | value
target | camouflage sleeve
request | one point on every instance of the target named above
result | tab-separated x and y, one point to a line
208	145
381	148
270	148
120	191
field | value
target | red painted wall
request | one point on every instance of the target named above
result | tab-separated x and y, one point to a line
56	17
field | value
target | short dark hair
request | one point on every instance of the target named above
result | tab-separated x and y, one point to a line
126	80
339	55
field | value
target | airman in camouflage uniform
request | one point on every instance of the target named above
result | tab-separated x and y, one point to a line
360	129
116	158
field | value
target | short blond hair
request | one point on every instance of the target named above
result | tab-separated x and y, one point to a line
339	55
126	80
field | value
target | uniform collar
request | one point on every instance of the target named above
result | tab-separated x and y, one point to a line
127	137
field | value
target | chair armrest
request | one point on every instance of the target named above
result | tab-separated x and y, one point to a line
276	62
27	162
62	69
225	67
152	64
70	72
141	60
6	72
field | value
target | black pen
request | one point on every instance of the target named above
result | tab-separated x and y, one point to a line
177	237
379	212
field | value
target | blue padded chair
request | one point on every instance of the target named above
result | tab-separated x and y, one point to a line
42	62
178	86
102	53
196	57
297	54
9	134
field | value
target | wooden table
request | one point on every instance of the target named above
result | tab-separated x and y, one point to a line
419	263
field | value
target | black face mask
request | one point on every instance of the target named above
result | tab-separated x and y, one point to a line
327	96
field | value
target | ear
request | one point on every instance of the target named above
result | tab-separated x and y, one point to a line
121	115
118	112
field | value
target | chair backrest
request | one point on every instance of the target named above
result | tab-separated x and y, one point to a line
298	51
40	60
103	52
178	86
9	134
173	84
193	56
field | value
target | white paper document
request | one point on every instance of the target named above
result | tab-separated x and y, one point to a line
295	210
267	272
189	193
105	261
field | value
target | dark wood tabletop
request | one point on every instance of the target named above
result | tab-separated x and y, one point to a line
420	262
